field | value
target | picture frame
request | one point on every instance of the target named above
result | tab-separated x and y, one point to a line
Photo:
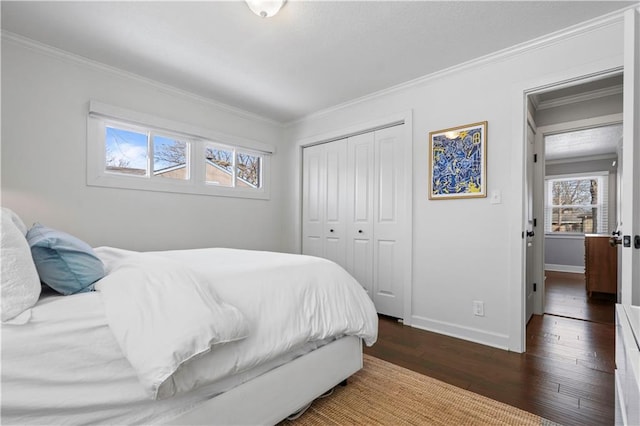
458	162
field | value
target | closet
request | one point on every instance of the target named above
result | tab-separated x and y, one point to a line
353	200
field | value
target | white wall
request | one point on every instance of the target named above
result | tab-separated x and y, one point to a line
465	250
44	109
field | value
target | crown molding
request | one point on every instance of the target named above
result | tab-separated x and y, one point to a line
81	60
581	97
500	55
610	156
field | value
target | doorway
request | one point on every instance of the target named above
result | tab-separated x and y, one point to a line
578	134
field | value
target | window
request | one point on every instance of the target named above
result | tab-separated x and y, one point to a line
577	204
161	155
128	151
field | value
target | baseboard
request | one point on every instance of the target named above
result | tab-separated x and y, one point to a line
496	340
564	268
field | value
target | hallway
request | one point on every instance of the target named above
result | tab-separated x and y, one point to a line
565	296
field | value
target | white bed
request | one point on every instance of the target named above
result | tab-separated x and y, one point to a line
306	322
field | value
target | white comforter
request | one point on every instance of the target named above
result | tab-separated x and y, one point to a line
287	300
66	366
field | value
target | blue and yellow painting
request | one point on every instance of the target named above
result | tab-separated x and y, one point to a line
457	163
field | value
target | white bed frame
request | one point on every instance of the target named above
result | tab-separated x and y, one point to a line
271	397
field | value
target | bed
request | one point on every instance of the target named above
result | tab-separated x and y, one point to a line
286	328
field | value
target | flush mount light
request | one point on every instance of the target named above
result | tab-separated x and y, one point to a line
265	8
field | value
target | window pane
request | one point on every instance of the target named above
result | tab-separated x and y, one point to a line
248	171
219	166
574	219
126	152
575	192
170	158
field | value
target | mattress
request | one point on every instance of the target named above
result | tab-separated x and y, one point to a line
65	366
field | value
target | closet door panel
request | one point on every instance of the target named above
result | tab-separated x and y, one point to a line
335	201
389	197
360	223
312	201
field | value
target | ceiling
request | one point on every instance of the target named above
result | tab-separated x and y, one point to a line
311	56
588	143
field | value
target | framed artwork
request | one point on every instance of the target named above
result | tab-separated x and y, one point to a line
458	162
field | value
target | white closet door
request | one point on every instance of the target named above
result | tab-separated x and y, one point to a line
360	180
324	201
335	201
388	226
313	171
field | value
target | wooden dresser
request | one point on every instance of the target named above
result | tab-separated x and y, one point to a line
600	264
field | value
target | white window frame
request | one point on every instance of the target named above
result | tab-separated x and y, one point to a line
602	205
100	115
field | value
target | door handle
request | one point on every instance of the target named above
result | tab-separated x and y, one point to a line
530	233
616	233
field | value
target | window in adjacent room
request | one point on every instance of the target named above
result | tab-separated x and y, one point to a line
136	151
577	204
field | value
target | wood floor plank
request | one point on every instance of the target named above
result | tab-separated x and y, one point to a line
565	376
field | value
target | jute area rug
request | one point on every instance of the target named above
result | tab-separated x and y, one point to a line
386	394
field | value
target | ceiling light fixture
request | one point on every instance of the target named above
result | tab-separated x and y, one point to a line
265	8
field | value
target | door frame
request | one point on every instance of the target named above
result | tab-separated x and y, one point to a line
517	225
406	119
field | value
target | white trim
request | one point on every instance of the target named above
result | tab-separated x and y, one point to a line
575	269
77	59
582	159
518	219
497	340
196	184
580	97
587	123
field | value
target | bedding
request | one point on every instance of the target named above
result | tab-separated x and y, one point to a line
65	263
20	287
164	314
291	304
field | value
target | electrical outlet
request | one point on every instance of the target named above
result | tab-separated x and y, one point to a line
478	308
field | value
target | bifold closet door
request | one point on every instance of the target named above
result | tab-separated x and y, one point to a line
324	201
376	192
352	211
390	192
360	181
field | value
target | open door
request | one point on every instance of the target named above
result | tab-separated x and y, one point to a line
630	177
530	231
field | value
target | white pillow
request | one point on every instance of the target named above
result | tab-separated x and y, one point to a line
20	285
16	220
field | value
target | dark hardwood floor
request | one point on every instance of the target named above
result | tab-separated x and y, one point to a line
565	376
565	296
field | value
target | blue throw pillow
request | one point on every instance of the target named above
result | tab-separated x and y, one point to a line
64	263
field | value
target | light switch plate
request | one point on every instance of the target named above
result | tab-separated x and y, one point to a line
496	197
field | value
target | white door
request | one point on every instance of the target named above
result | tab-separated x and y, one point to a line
324	201
354	193
313	171
530	231
335	156
360	181
389	199
630	179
